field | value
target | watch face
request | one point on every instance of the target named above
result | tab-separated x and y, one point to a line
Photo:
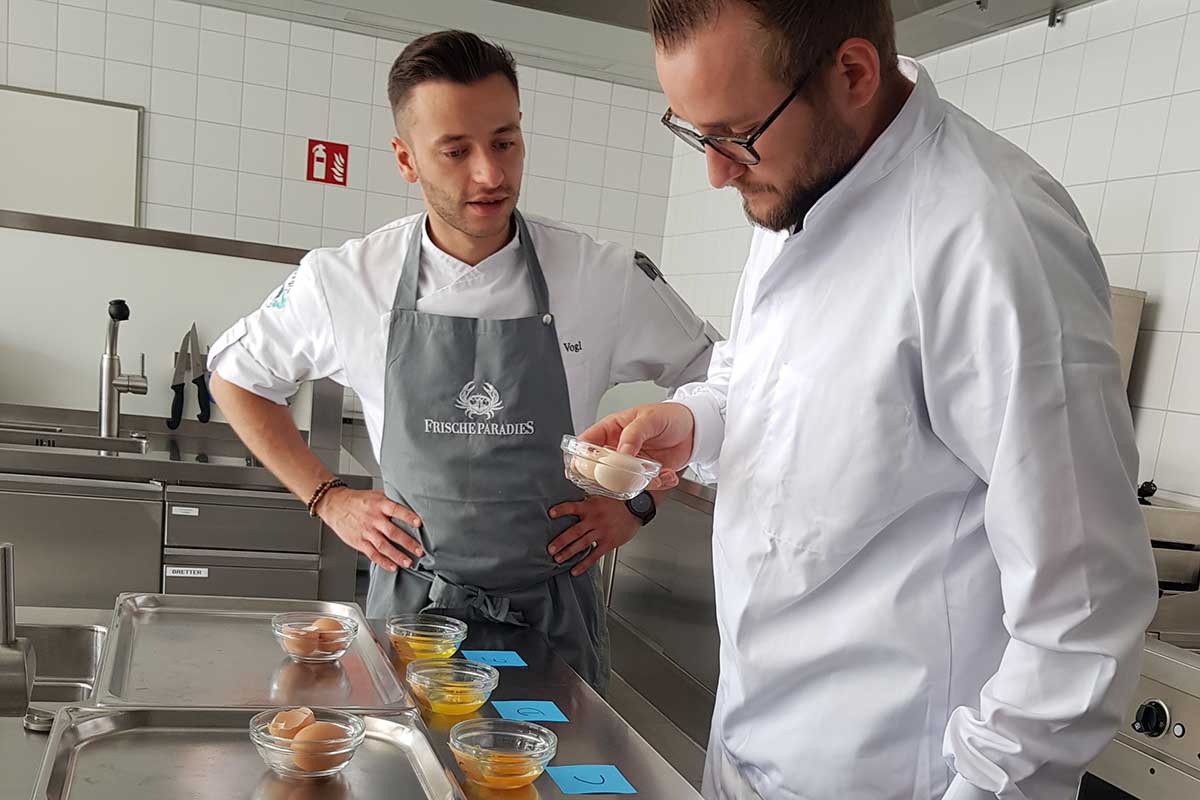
642	503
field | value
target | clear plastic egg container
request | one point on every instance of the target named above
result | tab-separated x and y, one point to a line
312	637
603	471
332	740
502	754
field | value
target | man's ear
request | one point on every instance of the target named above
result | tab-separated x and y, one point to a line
405	159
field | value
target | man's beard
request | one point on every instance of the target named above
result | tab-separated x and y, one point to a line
453	213
833	153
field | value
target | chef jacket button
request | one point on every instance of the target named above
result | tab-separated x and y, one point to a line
548	319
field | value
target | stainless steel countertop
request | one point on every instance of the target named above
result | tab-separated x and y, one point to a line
594	735
195	454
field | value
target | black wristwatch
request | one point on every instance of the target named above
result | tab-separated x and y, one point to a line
642	507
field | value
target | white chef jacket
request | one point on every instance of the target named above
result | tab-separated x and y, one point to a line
330	319
931	566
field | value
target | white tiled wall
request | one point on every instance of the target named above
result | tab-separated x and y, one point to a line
1109	103
707	238
232	99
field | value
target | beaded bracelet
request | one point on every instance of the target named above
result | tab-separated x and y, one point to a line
320	492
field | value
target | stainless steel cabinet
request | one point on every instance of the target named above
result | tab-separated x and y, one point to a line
79	542
239	543
664	635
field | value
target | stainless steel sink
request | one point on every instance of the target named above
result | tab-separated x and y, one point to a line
69	644
80	441
68	660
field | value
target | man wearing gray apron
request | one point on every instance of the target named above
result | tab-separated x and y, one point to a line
470	363
483	486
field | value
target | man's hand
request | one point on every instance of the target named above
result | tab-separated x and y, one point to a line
661	432
604	522
363	520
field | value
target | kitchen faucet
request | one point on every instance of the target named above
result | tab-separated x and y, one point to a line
17	660
112	383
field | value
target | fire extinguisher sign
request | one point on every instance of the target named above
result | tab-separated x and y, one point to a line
328	162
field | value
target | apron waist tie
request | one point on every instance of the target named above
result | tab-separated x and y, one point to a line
495	608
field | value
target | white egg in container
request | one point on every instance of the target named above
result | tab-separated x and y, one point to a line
604	471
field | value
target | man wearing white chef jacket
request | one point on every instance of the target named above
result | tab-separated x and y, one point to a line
476	338
932	574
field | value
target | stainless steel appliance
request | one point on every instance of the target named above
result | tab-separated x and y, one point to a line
1156	753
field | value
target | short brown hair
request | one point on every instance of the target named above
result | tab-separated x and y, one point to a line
801	33
455	56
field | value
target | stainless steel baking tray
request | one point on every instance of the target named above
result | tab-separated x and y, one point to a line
219	652
171	753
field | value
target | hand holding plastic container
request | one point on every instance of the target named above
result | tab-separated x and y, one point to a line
606	472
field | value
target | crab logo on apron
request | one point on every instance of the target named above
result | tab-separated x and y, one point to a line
479	404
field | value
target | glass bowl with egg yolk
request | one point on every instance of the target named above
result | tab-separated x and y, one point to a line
451	686
502	754
605	472
313	637
306	743
416	636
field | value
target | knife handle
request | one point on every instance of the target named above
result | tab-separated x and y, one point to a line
176	406
203	396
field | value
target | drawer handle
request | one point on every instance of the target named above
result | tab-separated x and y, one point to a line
185	511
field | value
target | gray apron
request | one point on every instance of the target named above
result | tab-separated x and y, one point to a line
474	411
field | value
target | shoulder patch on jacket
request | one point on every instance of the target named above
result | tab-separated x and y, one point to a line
643	262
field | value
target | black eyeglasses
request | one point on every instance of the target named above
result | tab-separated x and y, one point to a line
739	149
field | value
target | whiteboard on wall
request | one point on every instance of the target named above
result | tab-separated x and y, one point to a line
69	156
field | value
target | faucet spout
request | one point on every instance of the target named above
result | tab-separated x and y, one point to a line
112	382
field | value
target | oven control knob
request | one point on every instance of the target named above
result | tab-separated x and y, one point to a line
1151	719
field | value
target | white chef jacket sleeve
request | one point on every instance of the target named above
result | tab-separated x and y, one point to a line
1023	384
661	339
288	340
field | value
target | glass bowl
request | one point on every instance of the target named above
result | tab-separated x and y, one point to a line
451	686
417	636
303	757
502	754
603	471
315	644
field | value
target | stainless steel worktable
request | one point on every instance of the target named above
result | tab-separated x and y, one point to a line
594	735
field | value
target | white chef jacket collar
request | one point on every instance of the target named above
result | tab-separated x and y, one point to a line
919	117
503	255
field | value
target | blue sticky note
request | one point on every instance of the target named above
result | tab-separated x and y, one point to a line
529	710
496	658
590	779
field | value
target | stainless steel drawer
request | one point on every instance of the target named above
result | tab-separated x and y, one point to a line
240	574
239	520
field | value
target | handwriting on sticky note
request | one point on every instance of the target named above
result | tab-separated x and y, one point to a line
495	658
529	710
590	779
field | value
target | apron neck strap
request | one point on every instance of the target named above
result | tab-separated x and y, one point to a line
537	280
406	290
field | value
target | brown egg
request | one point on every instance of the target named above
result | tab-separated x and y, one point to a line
286	724
331	633
301	640
311	748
